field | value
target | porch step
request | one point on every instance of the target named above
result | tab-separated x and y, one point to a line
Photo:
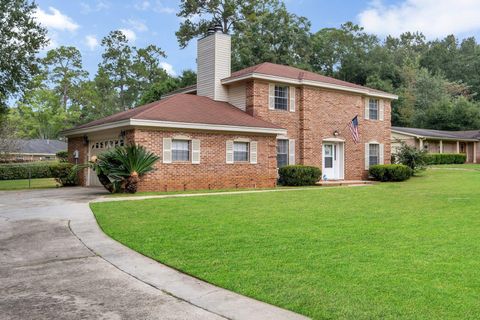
336	183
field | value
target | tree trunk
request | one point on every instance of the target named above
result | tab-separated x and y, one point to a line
131	185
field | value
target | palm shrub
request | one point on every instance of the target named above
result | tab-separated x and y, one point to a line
120	169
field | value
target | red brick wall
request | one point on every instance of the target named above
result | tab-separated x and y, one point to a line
212	172
318	113
77	144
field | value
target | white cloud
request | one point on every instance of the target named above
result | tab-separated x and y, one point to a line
99	6
157	6
168	68
434	18
130	34
138	25
144	5
55	20
161	8
91	42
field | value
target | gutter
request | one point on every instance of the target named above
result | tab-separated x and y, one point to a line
312	83
174	125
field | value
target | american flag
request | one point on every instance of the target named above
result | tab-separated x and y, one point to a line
353	126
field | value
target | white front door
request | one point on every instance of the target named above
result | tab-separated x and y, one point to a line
332	167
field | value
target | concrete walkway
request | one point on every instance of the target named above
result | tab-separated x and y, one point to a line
55	263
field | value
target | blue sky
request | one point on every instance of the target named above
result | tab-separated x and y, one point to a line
84	23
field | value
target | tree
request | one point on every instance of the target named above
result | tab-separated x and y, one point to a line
117	64
8	142
198	16
168	84
40	113
274	35
21	37
65	70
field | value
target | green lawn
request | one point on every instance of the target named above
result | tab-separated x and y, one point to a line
23	184
407	250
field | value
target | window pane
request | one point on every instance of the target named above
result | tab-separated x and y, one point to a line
180	150
282	153
240	151
373	109
281	97
374	154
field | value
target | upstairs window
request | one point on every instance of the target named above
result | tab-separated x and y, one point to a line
373	105
240	151
180	150
281	97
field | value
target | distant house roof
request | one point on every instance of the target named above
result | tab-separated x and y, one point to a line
40	146
282	71
440	134
185	111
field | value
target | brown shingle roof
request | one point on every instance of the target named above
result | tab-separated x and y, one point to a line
279	70
187	108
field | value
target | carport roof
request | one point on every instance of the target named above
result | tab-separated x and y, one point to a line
439	134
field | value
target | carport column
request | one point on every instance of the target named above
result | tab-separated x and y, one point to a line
441	146
421	143
474	152
458	146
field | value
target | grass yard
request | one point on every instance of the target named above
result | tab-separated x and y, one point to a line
23	184
406	250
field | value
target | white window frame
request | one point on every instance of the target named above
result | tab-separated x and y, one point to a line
376	103
235	143
189	142
287	154
370	154
275	97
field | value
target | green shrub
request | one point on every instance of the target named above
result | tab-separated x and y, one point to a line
390	172
62	155
34	170
446	158
410	156
66	174
298	175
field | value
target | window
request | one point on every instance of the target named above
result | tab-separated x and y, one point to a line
180	150
282	153
373	109
281	97
374	154
240	151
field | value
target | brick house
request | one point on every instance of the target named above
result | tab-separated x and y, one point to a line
235	129
439	141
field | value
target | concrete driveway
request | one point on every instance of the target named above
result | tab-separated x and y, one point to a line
55	263
47	273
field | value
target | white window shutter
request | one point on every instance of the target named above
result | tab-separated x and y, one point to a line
367	112
367	156
381	159
195	151
382	109
291	151
292	98
229	151
167	150
253	152
271	96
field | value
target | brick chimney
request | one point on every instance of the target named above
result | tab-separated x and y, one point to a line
213	64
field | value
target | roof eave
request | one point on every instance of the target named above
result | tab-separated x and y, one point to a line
312	83
434	138
175	125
